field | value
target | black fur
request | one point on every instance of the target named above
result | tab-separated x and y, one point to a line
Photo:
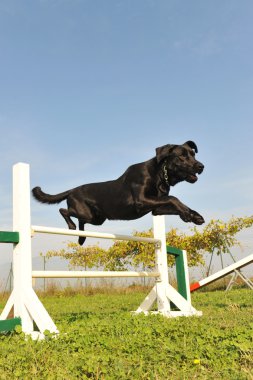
143	188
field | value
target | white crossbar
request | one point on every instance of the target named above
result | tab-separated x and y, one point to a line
91	274
101	235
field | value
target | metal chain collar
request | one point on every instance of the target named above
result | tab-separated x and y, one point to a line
165	173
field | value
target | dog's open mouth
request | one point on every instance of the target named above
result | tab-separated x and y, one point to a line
192	178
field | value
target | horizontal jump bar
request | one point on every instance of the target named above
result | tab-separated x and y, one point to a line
64	231
91	274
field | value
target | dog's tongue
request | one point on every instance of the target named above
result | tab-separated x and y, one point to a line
192	178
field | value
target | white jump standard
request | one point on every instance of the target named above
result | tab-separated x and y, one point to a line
23	298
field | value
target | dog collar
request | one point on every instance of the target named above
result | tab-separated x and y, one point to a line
165	174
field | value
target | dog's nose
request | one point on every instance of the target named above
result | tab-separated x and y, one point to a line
200	167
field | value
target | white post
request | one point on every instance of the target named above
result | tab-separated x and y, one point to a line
26	304
187	278
159	291
163	304
22	253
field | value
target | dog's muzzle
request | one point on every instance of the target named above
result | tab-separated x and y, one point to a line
198	169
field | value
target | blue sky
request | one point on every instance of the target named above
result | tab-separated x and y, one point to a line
88	88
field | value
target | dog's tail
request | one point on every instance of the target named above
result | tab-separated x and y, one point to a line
47	198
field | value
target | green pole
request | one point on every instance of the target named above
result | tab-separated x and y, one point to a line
180	270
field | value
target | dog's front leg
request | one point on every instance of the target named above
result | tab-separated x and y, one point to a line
175	207
145	204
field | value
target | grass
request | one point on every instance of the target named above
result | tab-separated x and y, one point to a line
100	339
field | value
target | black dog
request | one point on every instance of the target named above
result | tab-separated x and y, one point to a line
143	188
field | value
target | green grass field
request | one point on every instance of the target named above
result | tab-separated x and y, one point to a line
100	339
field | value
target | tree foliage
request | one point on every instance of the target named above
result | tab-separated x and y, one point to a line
78	256
216	236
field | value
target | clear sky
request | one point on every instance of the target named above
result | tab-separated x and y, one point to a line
88	88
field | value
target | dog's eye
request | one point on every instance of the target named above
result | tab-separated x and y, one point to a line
191	153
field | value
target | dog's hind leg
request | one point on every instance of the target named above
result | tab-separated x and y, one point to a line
96	221
64	212
81	239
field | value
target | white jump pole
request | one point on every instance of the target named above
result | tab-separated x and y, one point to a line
92	274
92	234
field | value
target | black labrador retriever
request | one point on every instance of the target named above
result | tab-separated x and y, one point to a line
143	188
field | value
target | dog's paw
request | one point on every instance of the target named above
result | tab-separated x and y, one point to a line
186	216
197	218
81	240
192	216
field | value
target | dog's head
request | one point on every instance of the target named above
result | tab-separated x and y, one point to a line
179	162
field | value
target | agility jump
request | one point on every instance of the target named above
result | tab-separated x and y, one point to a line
23	298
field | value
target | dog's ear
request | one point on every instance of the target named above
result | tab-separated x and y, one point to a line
192	145
163	151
